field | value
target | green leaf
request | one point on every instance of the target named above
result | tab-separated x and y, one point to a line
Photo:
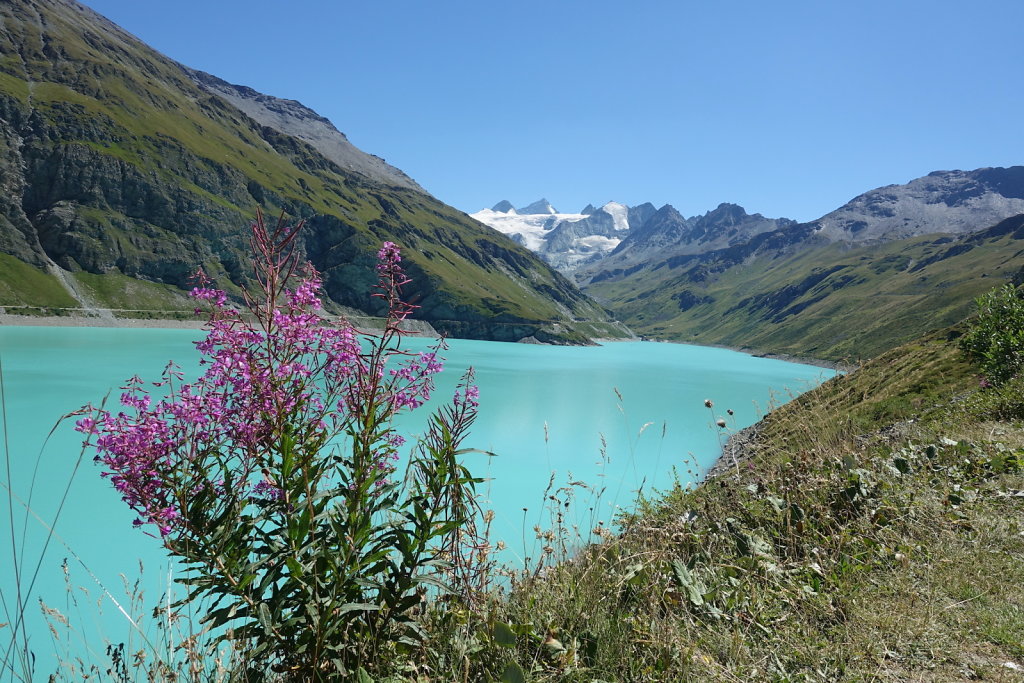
287	457
513	673
221	616
263	613
358	607
634	574
504	635
524	629
294	566
303	527
687	581
246	580
796	513
362	676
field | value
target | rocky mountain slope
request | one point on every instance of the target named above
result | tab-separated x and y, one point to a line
666	229
294	119
616	233
951	202
122	171
889	265
564	240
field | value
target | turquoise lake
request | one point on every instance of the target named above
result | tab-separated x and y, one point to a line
543	410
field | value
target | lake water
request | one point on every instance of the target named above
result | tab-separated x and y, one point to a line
623	417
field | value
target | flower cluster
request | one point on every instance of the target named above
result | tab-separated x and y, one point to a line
469	395
271	476
287	376
391	279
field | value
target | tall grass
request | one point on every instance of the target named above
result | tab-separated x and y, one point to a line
178	650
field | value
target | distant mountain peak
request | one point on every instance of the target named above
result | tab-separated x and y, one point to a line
725	214
951	202
539	206
504	206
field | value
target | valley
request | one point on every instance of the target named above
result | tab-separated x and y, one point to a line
891	264
618	511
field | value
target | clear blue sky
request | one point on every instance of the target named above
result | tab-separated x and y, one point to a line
790	108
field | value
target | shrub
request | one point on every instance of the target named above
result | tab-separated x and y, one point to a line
275	476
995	337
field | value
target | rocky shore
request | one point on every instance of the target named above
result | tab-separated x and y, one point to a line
736	452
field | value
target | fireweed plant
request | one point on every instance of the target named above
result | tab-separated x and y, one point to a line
275	476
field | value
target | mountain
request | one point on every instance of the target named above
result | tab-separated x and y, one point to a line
504	206
564	240
638	215
294	119
666	229
539	206
889	265
593	235
952	202
603	238
529	230
123	171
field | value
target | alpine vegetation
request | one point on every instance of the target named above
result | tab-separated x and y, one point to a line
276	477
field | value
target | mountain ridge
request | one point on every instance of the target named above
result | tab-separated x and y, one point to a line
891	263
293	118
955	201
120	172
574	243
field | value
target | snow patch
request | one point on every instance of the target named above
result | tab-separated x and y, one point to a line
619	214
597	243
531	227
533	231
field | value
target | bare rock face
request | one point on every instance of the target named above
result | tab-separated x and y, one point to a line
666	234
950	202
539	206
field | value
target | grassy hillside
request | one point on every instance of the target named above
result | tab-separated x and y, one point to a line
118	164
22	285
827	301
869	530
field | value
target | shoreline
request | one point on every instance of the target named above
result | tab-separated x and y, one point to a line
789	358
199	323
735	453
417	330
12	319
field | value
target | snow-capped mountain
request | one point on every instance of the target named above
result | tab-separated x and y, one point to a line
579	243
565	240
539	206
